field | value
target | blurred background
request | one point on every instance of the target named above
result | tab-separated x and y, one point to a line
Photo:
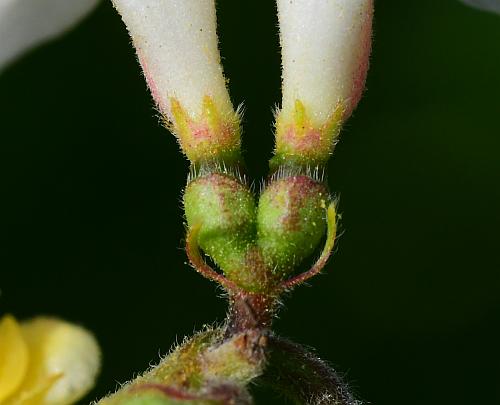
408	310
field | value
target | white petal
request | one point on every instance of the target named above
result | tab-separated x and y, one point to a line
25	23
325	50
488	5
176	42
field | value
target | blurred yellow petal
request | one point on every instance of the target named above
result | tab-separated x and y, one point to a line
36	395
65	360
13	357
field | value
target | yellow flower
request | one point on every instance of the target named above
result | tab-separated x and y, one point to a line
45	361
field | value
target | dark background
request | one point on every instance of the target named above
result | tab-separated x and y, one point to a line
91	224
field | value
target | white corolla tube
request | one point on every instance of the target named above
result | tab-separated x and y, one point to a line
177	46
325	53
26	23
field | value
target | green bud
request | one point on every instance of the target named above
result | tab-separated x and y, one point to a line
224	208
291	221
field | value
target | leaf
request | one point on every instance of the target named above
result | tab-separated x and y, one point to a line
26	23
298	374
487	5
205	370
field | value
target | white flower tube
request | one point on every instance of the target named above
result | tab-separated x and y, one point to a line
177	46
325	51
25	23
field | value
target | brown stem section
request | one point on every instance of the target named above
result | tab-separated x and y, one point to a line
250	311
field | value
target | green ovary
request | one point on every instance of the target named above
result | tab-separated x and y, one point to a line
291	221
225	209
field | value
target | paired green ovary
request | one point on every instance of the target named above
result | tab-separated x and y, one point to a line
257	246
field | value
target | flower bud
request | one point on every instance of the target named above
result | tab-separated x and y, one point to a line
291	221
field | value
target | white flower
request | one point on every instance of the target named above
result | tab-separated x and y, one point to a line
26	23
177	46
176	41
325	48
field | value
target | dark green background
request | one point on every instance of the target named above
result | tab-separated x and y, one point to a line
91	224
